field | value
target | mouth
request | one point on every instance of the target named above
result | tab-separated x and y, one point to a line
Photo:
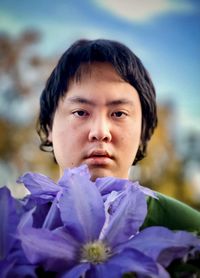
99	153
99	157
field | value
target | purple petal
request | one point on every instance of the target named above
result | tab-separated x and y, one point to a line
5	267
17	255
108	184
46	216
81	171
9	216
82	208
40	199
113	201
147	191
23	271
26	220
127	218
104	270
162	244
39	185
50	248
127	261
52	219
16	264
161	273
77	271
170	254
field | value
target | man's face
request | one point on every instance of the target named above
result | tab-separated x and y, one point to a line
98	123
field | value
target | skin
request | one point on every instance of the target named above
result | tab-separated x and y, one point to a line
98	123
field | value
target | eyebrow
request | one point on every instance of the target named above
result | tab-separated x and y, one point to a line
82	100
77	99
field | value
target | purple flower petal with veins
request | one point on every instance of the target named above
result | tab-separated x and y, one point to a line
162	244
40	186
108	184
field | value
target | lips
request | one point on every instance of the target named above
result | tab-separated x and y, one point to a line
98	157
99	153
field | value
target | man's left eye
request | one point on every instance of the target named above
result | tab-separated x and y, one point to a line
119	114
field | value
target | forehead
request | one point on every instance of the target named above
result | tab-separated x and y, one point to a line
96	70
99	82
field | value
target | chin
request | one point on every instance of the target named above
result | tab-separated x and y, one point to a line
99	173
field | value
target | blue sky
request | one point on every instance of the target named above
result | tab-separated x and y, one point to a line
165	34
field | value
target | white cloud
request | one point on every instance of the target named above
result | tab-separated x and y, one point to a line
144	10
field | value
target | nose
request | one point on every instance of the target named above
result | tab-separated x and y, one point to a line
100	130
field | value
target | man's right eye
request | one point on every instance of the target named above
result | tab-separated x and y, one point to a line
81	113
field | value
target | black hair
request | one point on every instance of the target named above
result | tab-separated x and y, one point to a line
85	52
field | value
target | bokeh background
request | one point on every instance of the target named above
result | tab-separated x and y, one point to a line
165	34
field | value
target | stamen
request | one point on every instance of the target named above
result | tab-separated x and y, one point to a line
95	252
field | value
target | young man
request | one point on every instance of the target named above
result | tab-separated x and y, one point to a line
98	108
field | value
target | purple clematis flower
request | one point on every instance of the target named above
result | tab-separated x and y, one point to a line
82	228
88	243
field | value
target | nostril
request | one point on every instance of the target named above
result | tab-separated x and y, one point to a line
103	138
99	132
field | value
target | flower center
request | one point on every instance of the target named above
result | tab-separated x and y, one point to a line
95	252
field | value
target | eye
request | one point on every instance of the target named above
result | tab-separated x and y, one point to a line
119	114
81	113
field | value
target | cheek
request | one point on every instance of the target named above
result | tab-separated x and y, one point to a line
69	137
130	142
60	140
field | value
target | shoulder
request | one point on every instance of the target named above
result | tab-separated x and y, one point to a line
171	213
